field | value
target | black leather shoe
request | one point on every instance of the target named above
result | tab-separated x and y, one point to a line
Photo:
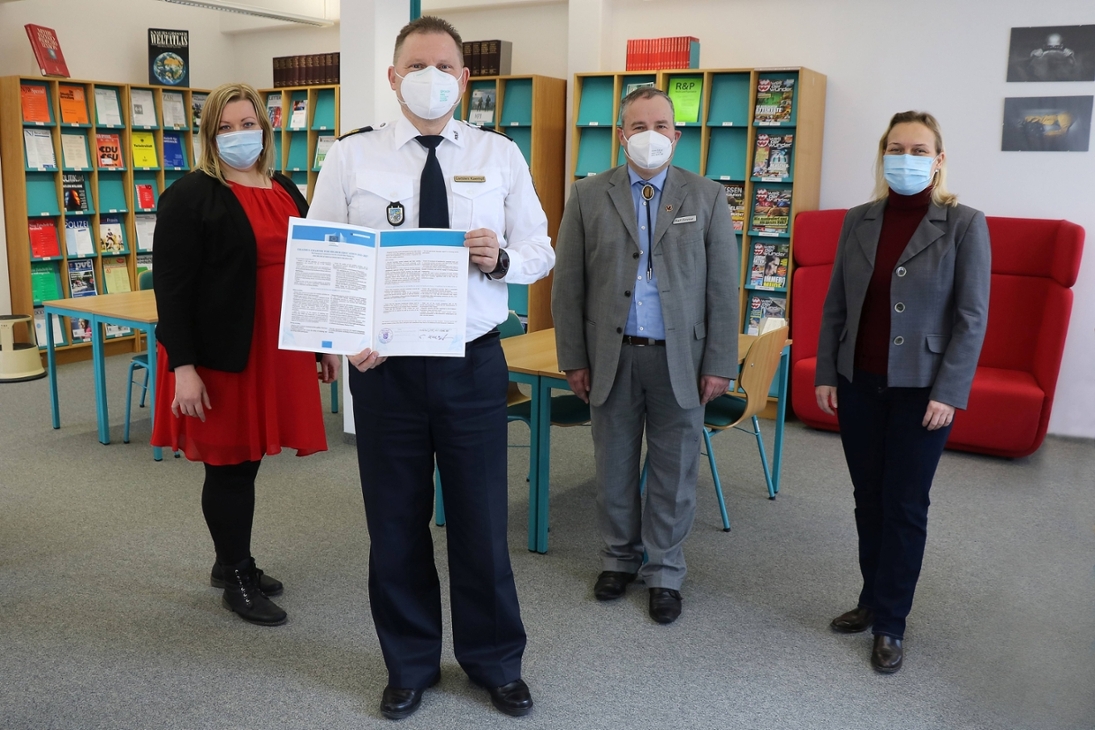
854	621
611	585
514	698
887	655
395	704
665	605
242	595
269	586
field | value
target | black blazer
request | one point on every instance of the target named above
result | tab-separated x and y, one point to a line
204	259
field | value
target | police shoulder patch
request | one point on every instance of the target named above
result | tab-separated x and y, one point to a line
359	130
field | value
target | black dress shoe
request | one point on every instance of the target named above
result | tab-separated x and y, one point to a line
269	586
854	621
395	704
242	595
887	654
611	585
665	605
514	698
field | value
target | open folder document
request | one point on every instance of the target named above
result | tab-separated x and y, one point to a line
348	288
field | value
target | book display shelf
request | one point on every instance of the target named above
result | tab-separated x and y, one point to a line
305	121
531	110
756	131
84	165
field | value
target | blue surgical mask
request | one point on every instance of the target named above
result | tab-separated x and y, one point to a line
240	149
907	174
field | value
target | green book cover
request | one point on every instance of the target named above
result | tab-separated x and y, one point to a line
686	92
44	281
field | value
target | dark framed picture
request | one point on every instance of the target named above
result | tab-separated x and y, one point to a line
1052	53
1047	124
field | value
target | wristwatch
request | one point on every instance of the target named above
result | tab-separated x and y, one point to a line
502	267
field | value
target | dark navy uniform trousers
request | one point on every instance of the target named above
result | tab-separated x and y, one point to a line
408	411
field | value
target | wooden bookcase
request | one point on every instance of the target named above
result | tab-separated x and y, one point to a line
36	195
719	145
297	144
532	111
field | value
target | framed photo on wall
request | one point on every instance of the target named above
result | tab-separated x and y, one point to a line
1052	53
1047	124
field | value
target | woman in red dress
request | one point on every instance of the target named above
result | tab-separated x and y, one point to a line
226	395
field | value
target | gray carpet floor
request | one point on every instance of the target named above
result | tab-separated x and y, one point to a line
107	619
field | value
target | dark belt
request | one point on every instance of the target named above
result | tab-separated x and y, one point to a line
643	341
484	338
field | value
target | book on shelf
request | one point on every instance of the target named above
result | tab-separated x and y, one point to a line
35	103
74	151
73	104
761	307
43	238
78	241
273	109
81	278
144	150
323	145
39	146
116	330
80	328
309	70
771	212
686	93
74	185
173	156
481	108
488	58
142	108
107	111
40	328
47	50
146	230
45	282
772	157
299	117
735	198
146	199
769	265
174	110
652	54
168	57
111	235
144	263
115	275
197	103
196	144
108	150
775	98
634	86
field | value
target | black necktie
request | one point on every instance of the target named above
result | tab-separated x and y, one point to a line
433	200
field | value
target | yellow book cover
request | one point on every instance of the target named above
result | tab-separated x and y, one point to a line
116	274
144	150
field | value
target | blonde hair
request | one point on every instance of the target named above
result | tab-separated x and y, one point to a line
940	194
219	98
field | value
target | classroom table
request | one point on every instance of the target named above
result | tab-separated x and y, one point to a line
135	309
532	359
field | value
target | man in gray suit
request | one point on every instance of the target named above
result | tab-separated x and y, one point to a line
646	332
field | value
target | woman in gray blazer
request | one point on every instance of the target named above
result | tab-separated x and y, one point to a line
901	332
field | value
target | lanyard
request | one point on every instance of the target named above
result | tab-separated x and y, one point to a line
648	195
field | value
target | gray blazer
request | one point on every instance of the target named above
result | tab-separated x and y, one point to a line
696	260
939	300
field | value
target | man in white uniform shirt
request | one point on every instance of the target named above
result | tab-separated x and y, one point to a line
428	170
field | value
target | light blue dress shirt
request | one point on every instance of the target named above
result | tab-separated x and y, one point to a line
645	317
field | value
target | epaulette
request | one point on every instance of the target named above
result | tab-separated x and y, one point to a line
490	129
359	130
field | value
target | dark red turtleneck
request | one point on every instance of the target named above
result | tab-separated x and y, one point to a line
903	214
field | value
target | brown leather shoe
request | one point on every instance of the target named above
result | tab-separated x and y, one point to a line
611	585
854	621
887	654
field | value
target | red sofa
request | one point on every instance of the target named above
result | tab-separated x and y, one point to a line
1034	265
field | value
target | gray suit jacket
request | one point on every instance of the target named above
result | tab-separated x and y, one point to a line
941	283
696	262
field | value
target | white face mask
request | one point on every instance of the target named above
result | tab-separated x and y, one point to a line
429	93
649	150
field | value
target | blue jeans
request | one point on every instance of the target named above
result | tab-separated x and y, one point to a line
891	459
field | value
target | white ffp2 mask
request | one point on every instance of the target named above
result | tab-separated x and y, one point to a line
429	93
649	150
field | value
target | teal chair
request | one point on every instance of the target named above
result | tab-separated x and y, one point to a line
566	410
748	398
139	362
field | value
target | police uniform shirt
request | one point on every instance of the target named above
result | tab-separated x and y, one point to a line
372	179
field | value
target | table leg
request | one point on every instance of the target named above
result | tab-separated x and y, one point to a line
150	343
781	410
543	446
98	357
534	468
51	366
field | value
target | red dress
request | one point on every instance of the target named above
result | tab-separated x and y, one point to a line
274	402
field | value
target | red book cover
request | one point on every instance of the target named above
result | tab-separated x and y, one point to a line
648	54
630	47
145	200
681	55
47	49
43	239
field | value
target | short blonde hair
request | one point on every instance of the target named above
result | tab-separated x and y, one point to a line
219	98
940	194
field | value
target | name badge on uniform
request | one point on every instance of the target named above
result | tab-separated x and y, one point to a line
469	178
685	219
395	213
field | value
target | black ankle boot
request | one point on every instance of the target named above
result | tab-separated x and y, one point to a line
269	586
242	595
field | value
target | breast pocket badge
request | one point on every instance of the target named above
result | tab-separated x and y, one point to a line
395	214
